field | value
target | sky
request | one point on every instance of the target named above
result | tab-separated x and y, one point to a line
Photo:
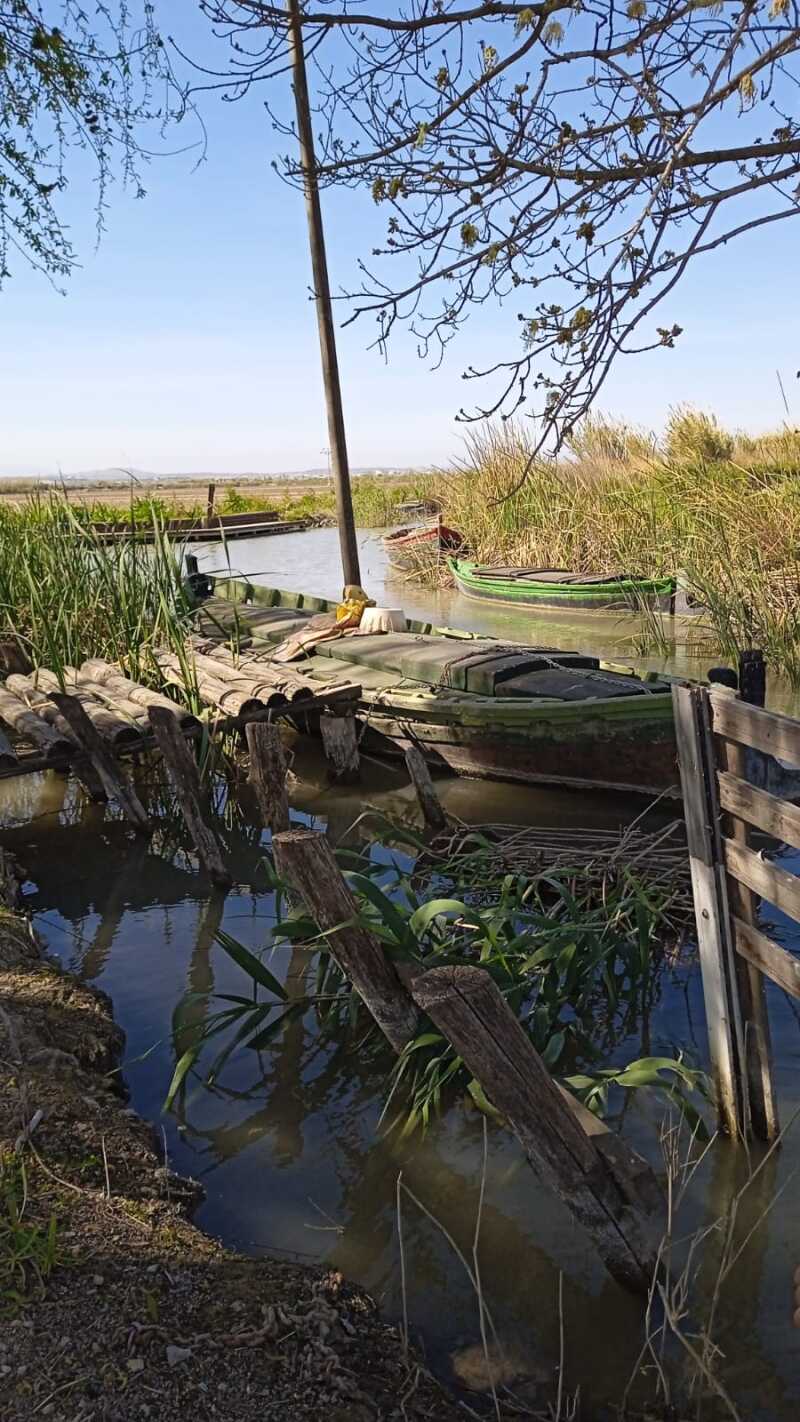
186	341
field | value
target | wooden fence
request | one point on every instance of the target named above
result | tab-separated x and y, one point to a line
720	741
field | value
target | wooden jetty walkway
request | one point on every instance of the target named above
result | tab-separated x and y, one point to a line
263	524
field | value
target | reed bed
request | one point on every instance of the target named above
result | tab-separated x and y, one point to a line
721	510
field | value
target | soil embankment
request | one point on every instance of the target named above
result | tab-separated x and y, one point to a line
114	1306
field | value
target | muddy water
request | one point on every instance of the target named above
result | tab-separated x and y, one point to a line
288	1143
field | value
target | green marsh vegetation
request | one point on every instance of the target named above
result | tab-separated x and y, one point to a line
721	510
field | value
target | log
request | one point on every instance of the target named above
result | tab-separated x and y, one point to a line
294	686
432	812
114	728
340	743
182	767
55	742
107	675
97	752
305	859
466	1005
268	772
232	699
8	756
263	691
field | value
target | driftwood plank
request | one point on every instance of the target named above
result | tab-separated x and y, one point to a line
467	1006
98	753
725	1033
779	818
340	743
767	880
306	860
183	772
268	772
432	812
750	726
779	965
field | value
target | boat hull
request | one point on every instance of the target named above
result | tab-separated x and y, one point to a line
628	595
412	550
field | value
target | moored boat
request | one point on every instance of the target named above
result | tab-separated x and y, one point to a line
474	705
560	588
411	549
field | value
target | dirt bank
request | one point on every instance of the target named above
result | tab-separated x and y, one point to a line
113	1306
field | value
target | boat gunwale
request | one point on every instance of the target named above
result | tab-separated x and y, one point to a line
470	584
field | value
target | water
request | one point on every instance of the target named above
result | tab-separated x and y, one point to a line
287	1143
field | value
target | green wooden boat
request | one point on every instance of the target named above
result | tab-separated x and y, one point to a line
556	587
475	705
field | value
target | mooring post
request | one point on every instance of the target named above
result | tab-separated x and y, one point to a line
752	677
340	743
432	812
96	751
306	860
468	1008
268	771
212	489
183	772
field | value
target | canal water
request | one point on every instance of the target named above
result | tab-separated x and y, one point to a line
289	1143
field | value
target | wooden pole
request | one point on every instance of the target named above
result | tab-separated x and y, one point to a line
99	755
212	489
340	743
306	861
752	677
432	812
467	1006
182	767
268	772
322	298
712	913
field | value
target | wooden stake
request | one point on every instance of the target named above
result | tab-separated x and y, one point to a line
322	298
182	767
97	752
466	1005
268	772
212	489
340	743
432	812
306	860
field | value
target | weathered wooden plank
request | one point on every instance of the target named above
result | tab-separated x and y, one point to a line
183	772
432	812
750	984
268	770
768	957
468	1008
767	880
306	860
750	726
725	1034
99	755
767	812
340	743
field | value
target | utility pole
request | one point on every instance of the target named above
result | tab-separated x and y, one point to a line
322	299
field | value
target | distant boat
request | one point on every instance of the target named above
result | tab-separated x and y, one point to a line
560	588
421	545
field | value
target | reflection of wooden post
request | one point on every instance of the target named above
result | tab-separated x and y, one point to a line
612	1202
268	772
101	759
182	767
306	860
340	743
432	812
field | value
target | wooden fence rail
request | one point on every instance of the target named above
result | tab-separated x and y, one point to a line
720	740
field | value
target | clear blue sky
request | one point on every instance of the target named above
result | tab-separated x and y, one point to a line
187	342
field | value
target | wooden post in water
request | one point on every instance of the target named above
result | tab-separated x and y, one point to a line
212	489
97	752
432	812
322	299
340	743
620	1208
306	860
183	772
268	772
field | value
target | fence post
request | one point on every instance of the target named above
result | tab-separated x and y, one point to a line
709	887
268	772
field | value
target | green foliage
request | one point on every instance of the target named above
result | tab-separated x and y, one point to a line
89	82
29	1251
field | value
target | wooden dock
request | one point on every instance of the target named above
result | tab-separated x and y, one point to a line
263	524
